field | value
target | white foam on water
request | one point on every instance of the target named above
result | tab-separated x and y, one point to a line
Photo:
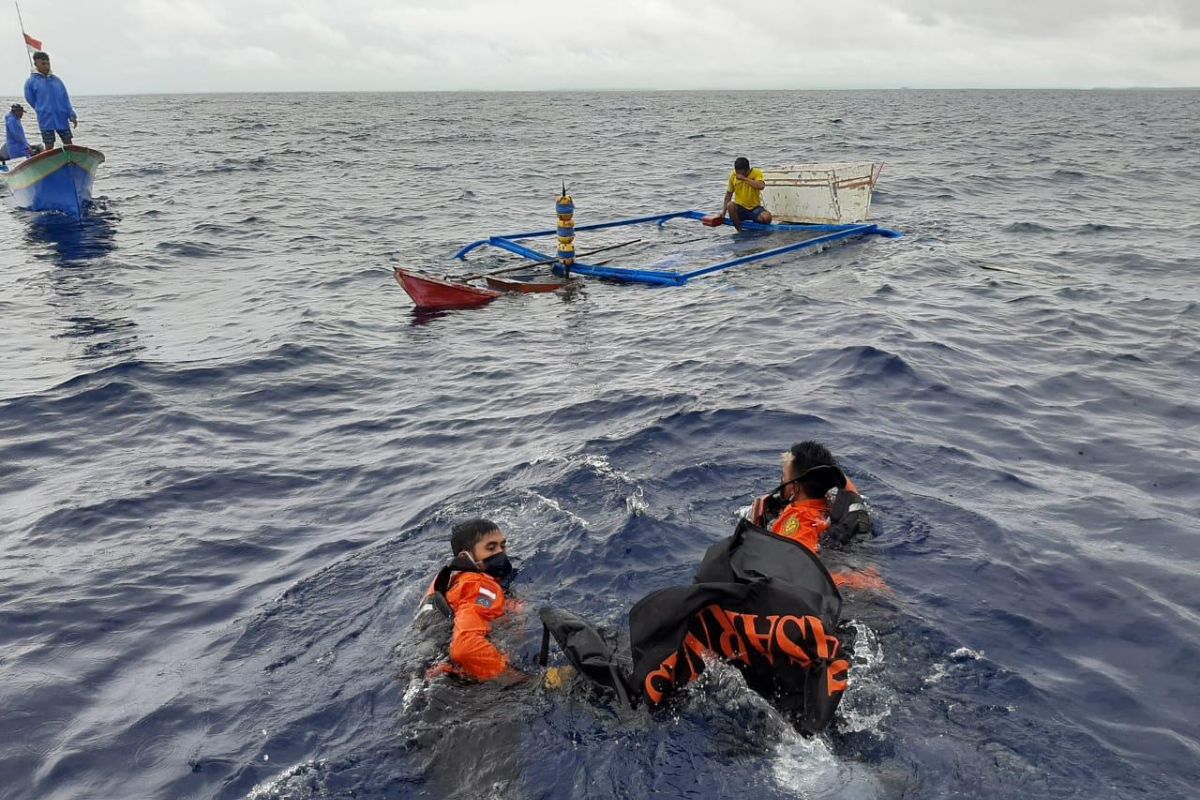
286	784
635	502
960	655
415	685
939	671
605	469
804	767
868	699
964	653
553	504
808	769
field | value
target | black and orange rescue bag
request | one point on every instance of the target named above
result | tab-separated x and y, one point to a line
760	602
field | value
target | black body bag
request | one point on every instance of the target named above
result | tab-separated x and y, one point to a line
760	602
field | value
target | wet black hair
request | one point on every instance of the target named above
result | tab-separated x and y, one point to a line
807	455
465	535
741	162
40	56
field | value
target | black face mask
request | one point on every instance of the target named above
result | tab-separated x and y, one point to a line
498	566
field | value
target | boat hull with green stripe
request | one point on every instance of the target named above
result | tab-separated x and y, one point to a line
58	179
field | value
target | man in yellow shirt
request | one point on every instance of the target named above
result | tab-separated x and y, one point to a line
743	195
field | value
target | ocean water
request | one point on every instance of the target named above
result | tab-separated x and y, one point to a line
230	450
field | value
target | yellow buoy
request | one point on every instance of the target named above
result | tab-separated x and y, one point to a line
564	206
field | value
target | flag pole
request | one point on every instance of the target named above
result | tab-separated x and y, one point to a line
24	43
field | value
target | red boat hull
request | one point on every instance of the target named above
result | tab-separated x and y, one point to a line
435	294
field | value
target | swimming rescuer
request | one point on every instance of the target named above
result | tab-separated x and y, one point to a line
761	601
801	508
470	591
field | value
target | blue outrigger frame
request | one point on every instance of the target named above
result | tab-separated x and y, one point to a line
666	277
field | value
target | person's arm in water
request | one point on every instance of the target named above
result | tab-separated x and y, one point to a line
477	603
470	648
867	580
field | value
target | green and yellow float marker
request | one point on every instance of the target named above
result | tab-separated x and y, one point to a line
565	208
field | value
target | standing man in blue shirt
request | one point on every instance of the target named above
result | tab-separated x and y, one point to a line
48	95
15	143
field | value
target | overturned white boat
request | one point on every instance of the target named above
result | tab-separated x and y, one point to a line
820	194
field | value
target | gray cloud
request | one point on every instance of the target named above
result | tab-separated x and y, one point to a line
363	45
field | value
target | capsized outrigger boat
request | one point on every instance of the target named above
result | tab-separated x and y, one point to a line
813	206
822	235
58	179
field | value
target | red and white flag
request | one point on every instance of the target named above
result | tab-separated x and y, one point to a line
32	43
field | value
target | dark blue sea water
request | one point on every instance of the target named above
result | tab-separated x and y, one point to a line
230	451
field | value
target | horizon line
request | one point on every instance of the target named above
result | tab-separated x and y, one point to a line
643	90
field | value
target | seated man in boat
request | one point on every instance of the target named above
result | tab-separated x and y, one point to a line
15	143
469	591
743	195
47	94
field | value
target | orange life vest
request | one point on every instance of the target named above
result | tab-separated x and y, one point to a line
474	601
477	600
806	519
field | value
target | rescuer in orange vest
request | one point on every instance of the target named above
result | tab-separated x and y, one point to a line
799	509
470	591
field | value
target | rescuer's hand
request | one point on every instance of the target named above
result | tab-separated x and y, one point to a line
557	677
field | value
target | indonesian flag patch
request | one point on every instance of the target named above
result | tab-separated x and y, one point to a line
486	597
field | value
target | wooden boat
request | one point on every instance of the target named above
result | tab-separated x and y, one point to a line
435	294
58	179
525	285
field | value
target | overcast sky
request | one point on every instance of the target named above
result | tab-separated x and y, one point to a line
134	46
